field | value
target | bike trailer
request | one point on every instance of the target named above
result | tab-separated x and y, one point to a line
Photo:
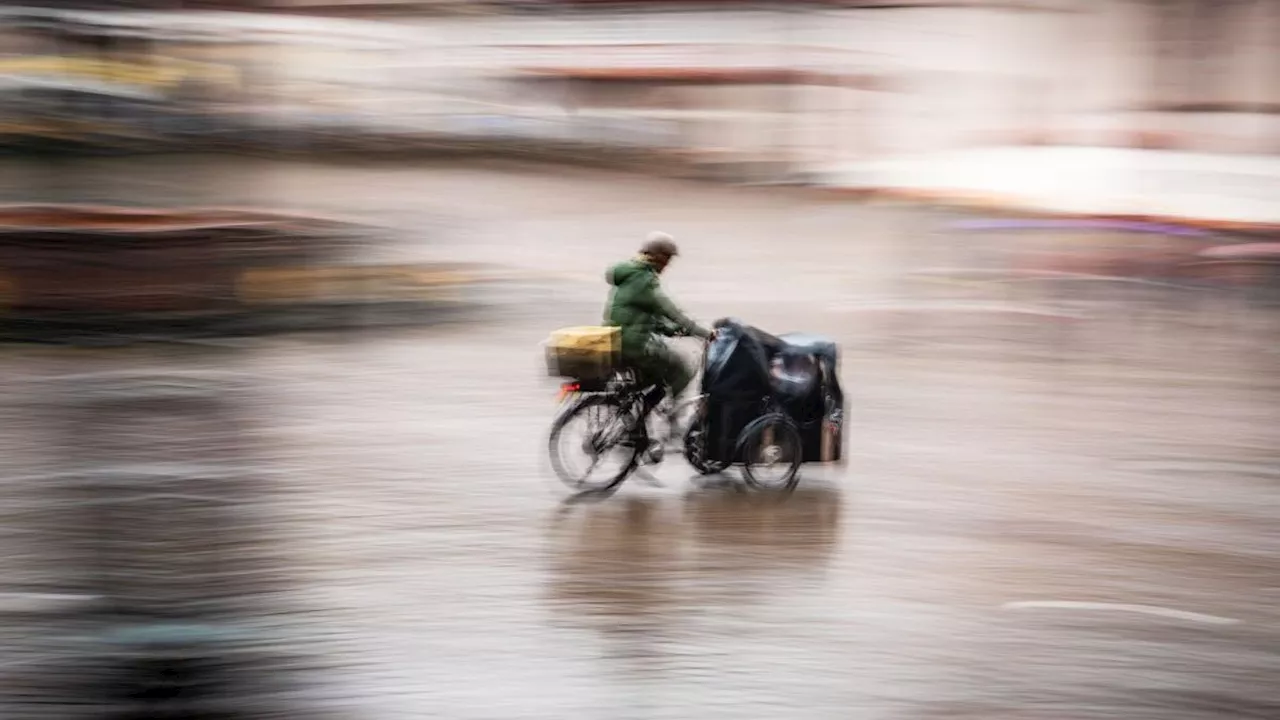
748	369
586	353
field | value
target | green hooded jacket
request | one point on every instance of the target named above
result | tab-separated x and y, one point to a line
638	306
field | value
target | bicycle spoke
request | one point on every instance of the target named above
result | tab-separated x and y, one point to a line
595	430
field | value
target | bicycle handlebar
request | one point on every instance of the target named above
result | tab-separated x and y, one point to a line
685	334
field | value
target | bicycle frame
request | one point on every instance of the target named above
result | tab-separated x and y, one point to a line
626	387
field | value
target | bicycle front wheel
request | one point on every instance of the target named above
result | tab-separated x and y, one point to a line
691	421
590	445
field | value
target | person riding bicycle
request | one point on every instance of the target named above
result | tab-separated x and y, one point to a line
644	313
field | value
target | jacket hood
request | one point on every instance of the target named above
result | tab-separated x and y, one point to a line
624	271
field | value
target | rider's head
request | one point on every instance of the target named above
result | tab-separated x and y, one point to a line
659	248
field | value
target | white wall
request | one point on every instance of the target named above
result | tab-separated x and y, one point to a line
970	77
956	77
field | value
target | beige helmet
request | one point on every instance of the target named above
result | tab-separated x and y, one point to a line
659	245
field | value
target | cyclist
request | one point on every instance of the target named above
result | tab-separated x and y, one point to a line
638	305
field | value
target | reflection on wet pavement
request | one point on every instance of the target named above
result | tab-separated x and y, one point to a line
611	560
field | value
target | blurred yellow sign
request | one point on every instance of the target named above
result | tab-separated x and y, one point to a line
155	72
70	128
347	284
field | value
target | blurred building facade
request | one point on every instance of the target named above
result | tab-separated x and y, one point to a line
1190	74
802	84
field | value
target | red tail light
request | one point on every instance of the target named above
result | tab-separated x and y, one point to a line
566	390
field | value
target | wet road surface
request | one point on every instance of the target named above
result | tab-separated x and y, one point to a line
1038	519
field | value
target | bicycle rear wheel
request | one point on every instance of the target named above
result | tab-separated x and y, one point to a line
605	426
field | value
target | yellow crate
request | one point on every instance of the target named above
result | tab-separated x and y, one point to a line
585	352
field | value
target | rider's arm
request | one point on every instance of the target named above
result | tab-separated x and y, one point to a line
668	328
669	311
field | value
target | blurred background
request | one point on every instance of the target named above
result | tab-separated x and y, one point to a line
274	276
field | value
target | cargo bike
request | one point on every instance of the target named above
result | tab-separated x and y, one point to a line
768	404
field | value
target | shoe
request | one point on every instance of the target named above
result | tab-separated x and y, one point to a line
653	454
667	409
666	412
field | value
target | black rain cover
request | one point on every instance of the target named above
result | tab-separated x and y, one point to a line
736	378
737	362
828	356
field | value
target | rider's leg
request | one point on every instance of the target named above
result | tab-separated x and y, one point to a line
679	376
671	375
657	365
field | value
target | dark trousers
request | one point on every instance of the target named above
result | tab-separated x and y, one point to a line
659	365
